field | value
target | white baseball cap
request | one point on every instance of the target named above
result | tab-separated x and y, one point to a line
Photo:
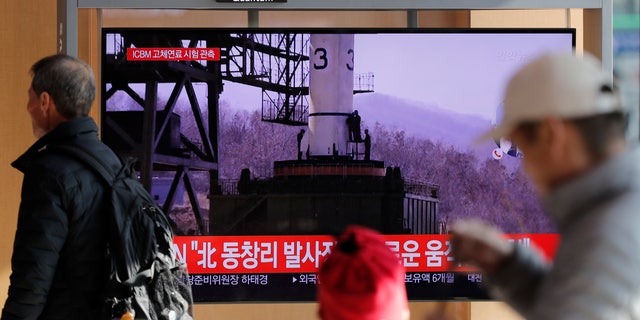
555	85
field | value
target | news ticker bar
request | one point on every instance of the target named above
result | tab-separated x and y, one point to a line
304	254
302	287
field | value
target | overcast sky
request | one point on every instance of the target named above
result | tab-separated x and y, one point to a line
462	72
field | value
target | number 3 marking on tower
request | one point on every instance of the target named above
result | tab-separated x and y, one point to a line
323	57
350	64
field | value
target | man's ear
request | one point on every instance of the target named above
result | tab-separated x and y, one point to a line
45	101
48	107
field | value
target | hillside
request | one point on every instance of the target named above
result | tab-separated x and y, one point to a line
424	121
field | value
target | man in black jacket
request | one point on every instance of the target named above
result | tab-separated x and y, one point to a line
58	263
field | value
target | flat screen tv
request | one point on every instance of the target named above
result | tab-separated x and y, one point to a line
262	144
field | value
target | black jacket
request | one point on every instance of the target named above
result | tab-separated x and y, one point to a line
58	263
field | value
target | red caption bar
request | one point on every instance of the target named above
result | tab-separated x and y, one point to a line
173	54
303	254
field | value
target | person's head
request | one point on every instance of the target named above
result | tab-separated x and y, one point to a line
362	279
62	88
565	116
366	131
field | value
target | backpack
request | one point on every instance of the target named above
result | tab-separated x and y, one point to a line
145	280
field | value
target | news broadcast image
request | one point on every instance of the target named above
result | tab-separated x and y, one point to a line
265	144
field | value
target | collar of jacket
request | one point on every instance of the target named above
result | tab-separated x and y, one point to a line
63	133
619	174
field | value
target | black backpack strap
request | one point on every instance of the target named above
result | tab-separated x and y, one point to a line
89	159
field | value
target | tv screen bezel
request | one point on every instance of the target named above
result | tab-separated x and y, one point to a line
332	30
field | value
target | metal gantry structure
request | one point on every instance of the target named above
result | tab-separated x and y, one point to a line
278	64
271	61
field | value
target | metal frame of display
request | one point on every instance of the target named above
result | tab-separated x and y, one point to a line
68	12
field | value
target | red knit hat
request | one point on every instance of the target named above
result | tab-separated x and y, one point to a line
362	279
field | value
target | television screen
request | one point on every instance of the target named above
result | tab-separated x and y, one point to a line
262	144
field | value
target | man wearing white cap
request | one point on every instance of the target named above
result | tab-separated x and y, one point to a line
566	118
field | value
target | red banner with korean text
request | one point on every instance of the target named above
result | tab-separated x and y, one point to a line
173	54
304	254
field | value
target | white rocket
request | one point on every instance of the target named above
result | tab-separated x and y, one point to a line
331	92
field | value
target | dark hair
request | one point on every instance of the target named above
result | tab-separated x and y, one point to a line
68	80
